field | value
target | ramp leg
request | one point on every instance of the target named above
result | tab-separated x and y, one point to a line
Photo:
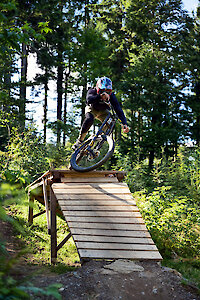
46	204
53	227
30	210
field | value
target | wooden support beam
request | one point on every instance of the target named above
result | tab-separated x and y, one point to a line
38	179
63	241
39	214
53	232
46	203
36	185
30	209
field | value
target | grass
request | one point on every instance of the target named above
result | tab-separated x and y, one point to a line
36	240
189	268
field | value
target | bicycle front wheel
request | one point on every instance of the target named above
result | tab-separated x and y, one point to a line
92	154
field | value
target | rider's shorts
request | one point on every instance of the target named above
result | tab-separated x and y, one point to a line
98	114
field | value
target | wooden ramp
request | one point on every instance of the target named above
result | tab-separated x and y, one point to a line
102	216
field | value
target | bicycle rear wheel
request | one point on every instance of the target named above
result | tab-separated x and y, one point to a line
92	155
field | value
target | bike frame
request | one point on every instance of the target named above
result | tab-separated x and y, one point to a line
111	125
111	115
104	132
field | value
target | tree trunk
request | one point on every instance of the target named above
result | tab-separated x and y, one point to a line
198	130
152	149
7	74
65	108
45	104
197	90
83	98
59	95
22	104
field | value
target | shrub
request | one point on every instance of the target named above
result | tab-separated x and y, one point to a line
172	221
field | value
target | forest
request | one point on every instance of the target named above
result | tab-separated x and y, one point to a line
151	51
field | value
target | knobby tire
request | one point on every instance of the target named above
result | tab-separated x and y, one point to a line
76	156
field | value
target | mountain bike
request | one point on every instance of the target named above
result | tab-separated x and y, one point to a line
97	149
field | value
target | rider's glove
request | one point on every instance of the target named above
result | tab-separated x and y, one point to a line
125	128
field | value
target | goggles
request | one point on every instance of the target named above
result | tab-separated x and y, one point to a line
108	91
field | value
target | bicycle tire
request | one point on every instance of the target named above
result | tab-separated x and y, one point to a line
74	159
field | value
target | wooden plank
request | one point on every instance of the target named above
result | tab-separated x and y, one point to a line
103	232
34	186
99	208
96	202
81	191
108	226
113	239
38	179
105	220
71	173
117	214
89	185
66	196
114	246
88	179
123	254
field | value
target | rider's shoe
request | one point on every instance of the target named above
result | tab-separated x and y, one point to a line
77	144
99	138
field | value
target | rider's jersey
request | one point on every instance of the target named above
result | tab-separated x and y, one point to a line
95	100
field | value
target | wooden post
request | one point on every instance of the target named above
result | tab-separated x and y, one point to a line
46	204
30	210
53	227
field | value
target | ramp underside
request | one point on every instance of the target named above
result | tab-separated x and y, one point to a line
104	220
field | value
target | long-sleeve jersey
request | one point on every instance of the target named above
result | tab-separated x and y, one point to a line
95	100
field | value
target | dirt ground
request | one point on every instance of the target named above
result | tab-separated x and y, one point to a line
97	280
108	280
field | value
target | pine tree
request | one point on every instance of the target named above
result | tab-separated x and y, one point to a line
144	37
192	64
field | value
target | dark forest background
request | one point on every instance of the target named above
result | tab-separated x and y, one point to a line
150	49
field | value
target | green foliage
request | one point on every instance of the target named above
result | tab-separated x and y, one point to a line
173	221
24	158
189	268
44	27
168	198
11	288
58	155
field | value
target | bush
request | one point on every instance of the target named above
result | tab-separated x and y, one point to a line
172	221
168	198
26	157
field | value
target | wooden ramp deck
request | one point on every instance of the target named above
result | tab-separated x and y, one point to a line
102	216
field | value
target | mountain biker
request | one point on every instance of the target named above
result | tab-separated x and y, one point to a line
98	100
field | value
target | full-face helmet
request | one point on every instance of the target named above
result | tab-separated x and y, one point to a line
104	84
